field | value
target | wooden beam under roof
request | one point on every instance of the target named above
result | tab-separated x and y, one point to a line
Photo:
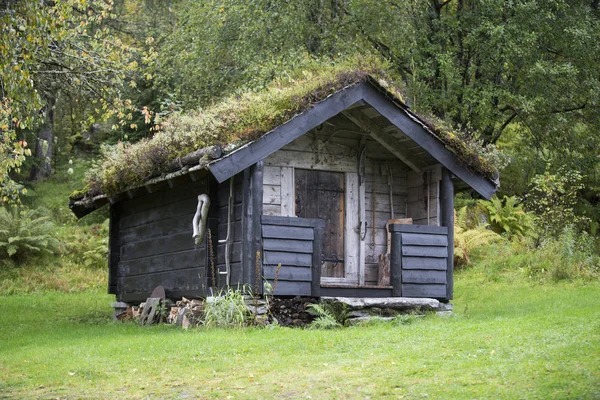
250	154
415	129
364	123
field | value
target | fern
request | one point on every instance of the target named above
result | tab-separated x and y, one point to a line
506	215
24	233
324	318
468	239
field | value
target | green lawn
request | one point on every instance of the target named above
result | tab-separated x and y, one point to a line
507	340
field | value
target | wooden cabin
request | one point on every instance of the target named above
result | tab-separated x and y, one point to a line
327	195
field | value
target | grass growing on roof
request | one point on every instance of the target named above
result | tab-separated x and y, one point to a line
243	117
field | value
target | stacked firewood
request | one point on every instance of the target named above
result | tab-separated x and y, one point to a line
186	313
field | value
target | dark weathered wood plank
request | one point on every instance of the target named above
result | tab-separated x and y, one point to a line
291	288
289	221
164	227
396	264
418	239
252	191
237	230
177	208
156	199
424	251
424	263
355	292
318	232
223	191
296	259
187	279
163	263
155	246
287	232
426	140
114	249
423	276
235	254
136	298
236	215
248	155
236	279
447	211
289	245
288	273
417	290
436	230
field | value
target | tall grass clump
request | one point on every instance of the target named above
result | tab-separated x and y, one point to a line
468	237
228	309
570	256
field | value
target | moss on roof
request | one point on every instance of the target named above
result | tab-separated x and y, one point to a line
244	117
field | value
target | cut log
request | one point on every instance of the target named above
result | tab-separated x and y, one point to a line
395	303
384	259
384	270
150	309
194	158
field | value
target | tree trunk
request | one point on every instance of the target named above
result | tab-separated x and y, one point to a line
43	149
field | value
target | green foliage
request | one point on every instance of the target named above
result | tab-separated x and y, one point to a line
62	52
467	239
554	198
325	319
569	256
506	215
25	233
227	309
12	157
329	315
243	117
88	245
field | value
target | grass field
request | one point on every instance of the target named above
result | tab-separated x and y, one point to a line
507	340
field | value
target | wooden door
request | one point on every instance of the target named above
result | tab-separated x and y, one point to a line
320	194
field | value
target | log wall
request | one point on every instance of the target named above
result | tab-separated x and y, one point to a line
151	244
236	231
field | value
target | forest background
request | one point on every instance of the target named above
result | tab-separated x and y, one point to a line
519	80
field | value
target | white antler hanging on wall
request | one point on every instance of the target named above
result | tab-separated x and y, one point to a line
200	218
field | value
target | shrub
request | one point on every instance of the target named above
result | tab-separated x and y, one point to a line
569	256
25	232
87	244
329	315
573	255
324	318
228	309
554	198
506	216
466	239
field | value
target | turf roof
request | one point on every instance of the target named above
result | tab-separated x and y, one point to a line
244	117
